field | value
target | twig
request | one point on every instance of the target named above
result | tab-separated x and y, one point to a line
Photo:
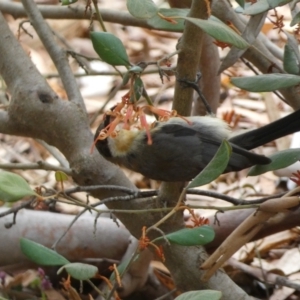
195	86
256	73
55	153
172	212
40	165
263	273
91	188
21	26
110	96
15	209
108	73
229	199
77	12
81	60
271	278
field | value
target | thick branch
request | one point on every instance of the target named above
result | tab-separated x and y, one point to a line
35	111
210	79
13	61
57	54
186	272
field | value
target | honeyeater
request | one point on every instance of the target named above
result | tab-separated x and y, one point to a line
181	148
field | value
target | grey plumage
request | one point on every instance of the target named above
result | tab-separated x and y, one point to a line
180	150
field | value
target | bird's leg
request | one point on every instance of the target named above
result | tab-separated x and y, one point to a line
195	86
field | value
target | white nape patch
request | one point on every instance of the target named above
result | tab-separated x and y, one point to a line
217	126
213	122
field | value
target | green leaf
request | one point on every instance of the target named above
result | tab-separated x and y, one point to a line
241	3
275	3
13	187
280	160
80	271
295	20
136	70
190	236
290	61
68	2
264	5
61	176
215	167
138	88
220	31
142	9
110	48
126	78
158	23
257	8
129	74
200	295
40	254
293	44
250	33
122	268
266	82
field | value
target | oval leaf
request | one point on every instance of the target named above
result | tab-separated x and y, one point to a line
257	7
295	20
200	295
280	160
110	48
215	167
68	2
138	88
220	31
122	267
13	187
61	176
40	254
158	23
126	78
290	61
275	3
190	236
142	9
264	5
266	83
80	271
241	3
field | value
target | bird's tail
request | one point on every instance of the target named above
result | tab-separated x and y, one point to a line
275	130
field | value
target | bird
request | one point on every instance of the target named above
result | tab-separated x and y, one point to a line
181	148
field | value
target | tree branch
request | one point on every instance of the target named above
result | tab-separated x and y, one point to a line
77	12
40	165
57	53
